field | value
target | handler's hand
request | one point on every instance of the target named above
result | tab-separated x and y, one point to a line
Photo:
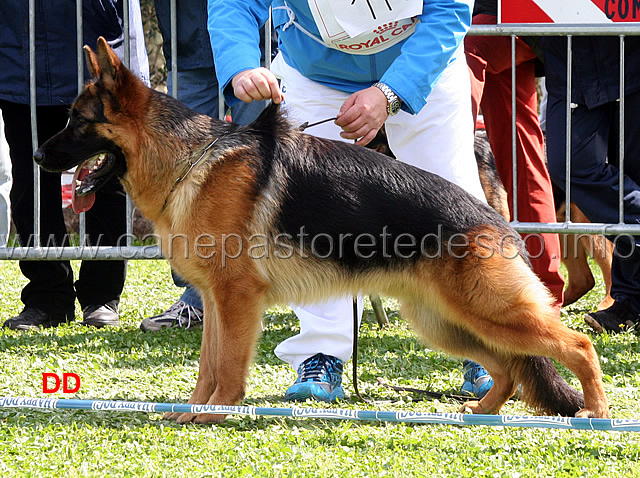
256	85
362	115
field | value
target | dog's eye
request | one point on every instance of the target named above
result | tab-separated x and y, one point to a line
80	121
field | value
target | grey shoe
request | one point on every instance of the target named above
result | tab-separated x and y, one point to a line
179	315
101	315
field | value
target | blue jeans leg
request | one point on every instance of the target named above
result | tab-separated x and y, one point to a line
190	296
198	89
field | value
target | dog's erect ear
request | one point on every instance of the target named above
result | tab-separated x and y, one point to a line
92	62
104	65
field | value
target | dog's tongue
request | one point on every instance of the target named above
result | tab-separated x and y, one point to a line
81	203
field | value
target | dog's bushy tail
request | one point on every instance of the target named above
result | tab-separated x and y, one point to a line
542	387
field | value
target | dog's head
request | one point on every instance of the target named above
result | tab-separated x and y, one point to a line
95	137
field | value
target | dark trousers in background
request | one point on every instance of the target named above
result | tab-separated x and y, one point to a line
51	287
595	176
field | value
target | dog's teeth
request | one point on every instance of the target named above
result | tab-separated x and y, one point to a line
78	183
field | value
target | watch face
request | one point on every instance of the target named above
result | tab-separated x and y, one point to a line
394	107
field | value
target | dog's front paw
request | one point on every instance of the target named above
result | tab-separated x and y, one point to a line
204	418
586	413
200	418
179	417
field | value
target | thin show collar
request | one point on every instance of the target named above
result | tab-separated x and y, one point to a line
187	169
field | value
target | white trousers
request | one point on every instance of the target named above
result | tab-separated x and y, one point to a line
5	187
438	139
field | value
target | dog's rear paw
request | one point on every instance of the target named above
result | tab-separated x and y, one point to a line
472	406
179	417
586	413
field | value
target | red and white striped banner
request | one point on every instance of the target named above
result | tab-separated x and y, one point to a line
568	11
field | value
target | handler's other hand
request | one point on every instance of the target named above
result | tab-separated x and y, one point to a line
256	85
362	115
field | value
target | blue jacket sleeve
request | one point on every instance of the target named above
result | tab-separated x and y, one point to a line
424	56
234	30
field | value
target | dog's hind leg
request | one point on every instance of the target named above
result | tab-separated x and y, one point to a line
574	258
510	311
440	334
603	256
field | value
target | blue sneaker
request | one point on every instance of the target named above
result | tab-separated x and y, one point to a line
320	378
477	380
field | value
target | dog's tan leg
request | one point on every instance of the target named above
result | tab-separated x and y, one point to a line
240	304
535	329
510	311
597	247
206	383
603	256
545	335
575	351
574	258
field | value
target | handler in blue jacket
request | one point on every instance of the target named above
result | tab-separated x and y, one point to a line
368	62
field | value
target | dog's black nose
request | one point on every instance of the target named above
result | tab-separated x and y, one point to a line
38	156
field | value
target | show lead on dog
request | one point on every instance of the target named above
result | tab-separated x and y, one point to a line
375	62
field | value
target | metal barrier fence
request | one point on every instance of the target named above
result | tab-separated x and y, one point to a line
128	251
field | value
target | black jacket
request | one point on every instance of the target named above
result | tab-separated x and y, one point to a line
56	57
194	47
595	68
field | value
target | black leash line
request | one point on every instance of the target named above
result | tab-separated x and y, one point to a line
354	361
306	124
429	393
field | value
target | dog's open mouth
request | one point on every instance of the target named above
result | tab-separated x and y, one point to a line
88	178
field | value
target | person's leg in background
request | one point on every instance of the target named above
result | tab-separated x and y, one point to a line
489	60
325	340
595	189
626	264
5	187
100	283
49	296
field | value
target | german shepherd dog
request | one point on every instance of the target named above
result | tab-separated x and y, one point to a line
267	214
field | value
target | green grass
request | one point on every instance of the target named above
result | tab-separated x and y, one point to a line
126	364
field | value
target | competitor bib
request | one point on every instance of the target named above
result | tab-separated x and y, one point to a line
364	27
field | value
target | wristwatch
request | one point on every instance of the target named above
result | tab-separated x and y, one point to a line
393	101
